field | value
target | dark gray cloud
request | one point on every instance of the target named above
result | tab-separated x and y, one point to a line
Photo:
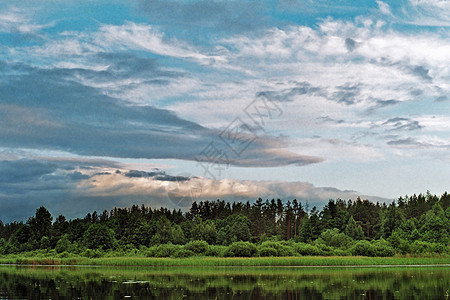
77	176
24	170
416	92
347	94
399	123
441	98
60	191
157	175
27	184
166	177
416	143
422	72
45	109
125	65
327	119
142	174
384	103
419	71
405	142
25	175
380	104
50	111
289	95
350	44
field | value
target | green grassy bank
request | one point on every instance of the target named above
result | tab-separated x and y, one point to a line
229	261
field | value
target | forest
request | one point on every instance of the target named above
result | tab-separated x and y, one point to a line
417	225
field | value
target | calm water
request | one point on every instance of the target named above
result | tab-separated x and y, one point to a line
224	283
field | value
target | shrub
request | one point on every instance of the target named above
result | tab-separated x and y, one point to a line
241	249
8	248
267	251
99	236
420	247
216	250
340	252
63	244
306	249
198	247
126	250
378	248
64	254
332	237
92	253
45	242
439	248
325	249
282	248
363	248
398	243
383	249
183	253
164	250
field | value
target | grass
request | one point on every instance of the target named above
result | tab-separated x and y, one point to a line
230	261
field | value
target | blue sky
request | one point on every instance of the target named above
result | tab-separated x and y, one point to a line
114	103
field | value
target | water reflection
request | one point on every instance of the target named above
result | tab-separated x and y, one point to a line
18	282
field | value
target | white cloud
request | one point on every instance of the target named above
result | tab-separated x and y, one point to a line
334	149
15	20
199	188
146	37
67	48
424	13
435	123
358	67
384	8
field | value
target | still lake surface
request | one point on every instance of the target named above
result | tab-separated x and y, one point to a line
67	282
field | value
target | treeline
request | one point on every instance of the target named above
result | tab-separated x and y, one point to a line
415	224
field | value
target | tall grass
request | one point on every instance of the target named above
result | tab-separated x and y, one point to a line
230	261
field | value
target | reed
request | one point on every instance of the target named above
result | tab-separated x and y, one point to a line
230	261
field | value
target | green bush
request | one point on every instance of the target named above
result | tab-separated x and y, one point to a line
63	244
383	249
198	247
241	249
64	254
378	248
439	248
45	242
92	253
363	248
306	249
99	236
325	249
397	242
332	237
267	251
126	250
8	248
216	250
164	250
183	253
341	252
283	248
420	247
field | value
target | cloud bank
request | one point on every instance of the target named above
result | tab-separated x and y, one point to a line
98	185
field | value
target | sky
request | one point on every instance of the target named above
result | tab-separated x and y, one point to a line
112	103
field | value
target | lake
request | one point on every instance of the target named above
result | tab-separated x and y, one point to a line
68	282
